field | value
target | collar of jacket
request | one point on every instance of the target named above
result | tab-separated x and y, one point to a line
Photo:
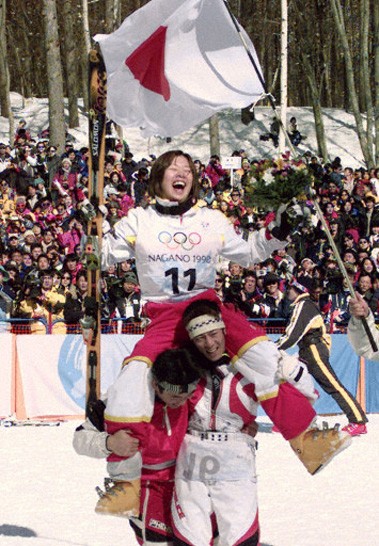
176	209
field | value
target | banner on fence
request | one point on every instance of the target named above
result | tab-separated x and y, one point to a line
7	400
52	371
44	376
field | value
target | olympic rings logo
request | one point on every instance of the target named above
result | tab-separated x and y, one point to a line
179	239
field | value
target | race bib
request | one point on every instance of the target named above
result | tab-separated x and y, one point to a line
204	460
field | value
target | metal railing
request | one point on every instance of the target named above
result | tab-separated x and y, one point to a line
108	326
117	326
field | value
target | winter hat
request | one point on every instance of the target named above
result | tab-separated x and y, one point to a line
307	260
130	277
112	191
300	288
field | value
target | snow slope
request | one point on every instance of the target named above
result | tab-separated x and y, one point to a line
339	127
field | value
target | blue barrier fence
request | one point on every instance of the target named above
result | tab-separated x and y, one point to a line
360	377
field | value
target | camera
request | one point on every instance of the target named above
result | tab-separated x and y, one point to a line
33	281
333	281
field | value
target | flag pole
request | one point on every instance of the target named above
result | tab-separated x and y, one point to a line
342	268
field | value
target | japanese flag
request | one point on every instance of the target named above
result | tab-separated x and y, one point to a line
174	63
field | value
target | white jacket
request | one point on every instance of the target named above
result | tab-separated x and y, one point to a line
89	441
359	340
177	256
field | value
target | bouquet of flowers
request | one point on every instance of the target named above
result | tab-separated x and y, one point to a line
278	181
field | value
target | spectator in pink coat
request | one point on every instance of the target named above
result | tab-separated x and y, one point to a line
72	237
66	182
214	170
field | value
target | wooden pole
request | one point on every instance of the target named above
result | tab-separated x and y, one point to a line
342	268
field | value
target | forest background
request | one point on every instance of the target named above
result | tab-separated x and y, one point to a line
333	56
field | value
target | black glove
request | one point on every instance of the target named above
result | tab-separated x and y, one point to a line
287	217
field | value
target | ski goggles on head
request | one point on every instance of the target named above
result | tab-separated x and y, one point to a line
178	389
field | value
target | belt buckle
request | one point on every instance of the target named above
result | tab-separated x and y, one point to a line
214	436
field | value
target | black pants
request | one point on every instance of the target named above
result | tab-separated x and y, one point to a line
316	356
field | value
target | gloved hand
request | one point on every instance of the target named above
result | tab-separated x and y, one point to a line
287	217
290	368
87	209
256	309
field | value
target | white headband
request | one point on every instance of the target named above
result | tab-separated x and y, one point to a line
202	324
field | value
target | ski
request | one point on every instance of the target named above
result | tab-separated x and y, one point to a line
91	322
10	422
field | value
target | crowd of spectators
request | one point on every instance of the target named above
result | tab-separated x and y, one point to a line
44	197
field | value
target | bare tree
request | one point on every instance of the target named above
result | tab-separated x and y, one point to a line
306	50
283	74
54	75
376	76
112	11
71	64
366	91
85	25
214	135
350	81
112	19
5	102
320	71
84	53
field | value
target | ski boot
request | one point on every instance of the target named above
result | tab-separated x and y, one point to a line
119	498
317	447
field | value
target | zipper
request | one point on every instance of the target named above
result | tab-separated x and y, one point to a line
166	421
214	403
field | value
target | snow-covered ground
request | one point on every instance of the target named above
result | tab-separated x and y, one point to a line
342	139
48	493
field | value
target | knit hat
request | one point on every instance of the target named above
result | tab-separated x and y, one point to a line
298	287
130	277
